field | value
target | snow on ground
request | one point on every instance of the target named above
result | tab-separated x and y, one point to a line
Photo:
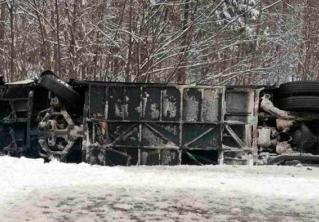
34	191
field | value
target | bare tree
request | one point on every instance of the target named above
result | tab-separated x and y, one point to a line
185	41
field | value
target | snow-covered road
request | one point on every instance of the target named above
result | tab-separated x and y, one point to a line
34	191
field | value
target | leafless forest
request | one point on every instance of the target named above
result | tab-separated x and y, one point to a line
185	41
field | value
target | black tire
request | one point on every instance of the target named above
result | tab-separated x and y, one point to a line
60	88
299	88
299	103
284	159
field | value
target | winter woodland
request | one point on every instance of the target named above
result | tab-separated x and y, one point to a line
183	41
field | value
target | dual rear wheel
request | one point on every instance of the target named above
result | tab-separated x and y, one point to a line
299	96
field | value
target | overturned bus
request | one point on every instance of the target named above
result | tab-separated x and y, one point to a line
115	123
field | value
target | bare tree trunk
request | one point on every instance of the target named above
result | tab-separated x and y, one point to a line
181	72
116	63
58	62
310	69
12	49
72	48
45	47
2	31
2	22
130	42
96	57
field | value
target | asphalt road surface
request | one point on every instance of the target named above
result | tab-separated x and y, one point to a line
33	191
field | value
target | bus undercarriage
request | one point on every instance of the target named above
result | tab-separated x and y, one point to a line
113	123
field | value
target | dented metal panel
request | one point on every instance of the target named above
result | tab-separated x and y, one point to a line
158	122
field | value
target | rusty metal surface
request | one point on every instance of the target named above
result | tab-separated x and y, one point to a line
155	124
241	120
15	120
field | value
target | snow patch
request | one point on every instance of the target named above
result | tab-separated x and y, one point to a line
21	176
